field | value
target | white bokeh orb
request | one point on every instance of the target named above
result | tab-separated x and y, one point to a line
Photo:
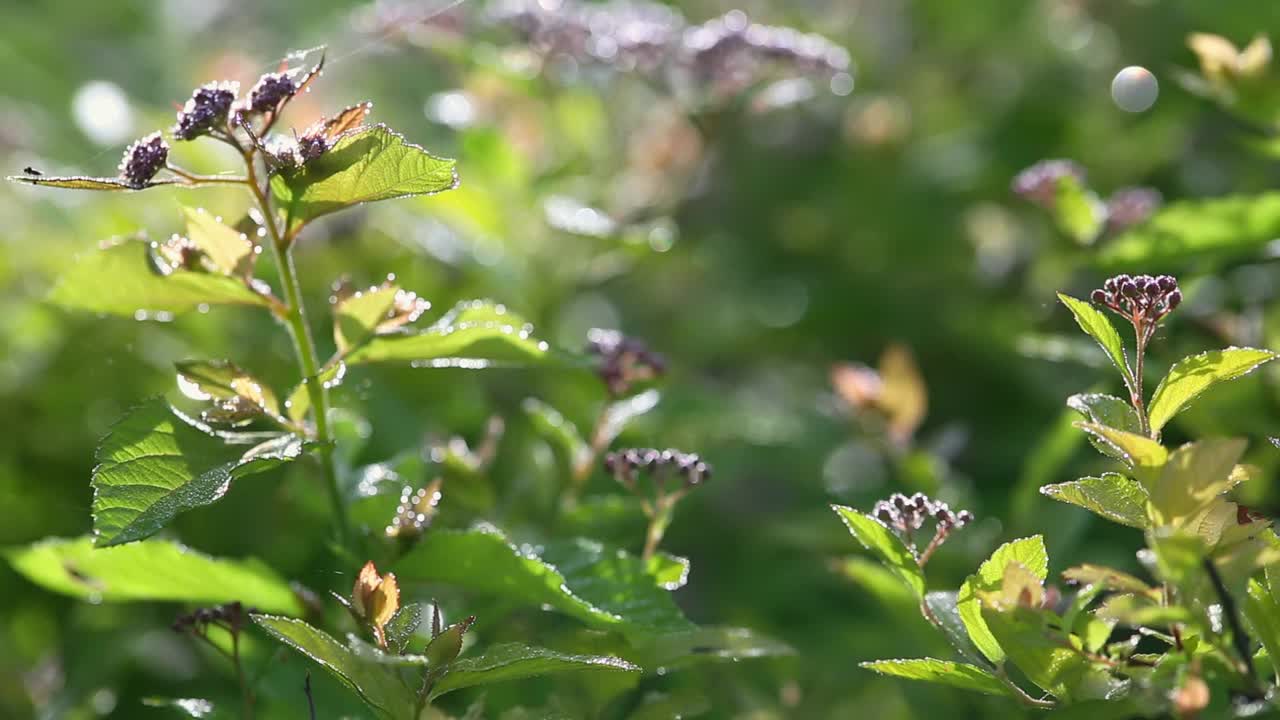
1135	89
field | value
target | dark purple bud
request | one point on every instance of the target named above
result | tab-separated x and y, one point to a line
1099	296
144	159
208	107
1174	299
1167	283
1129	288
964	517
311	147
1110	286
943	516
269	91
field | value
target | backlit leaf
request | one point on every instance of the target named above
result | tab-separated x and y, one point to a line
156	570
474	334
230	250
1191	376
1096	325
515	661
1029	552
880	540
83	182
367	164
377	684
1195	474
943	672
1194	230
156	463
119	278
1112	496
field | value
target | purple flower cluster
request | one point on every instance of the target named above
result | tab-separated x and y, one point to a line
727	51
270	90
1141	299
1039	183
207	109
626	465
1130	206
623	361
908	514
144	158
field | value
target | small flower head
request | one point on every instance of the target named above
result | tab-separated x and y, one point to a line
311	147
206	109
905	515
1039	183
1131	206
416	511
270	90
144	158
1143	300
628	465
623	361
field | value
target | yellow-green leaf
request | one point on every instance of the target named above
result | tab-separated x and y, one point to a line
1112	496
942	672
1096	325
880	540
1191	376
1030	552
1194	475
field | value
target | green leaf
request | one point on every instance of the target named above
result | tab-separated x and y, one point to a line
377	684
881	541
356	318
607	590
946	615
156	463
1191	376
1112	496
119	278
1078	211
230	251
515	661
1263	614
221	379
367	164
671	572
1143	455
299	400
1046	660
1029	552
157	570
1105	577
82	182
1096	325
1195	474
943	672
403	626
1189	231
678	649
476	334
1107	410
558	430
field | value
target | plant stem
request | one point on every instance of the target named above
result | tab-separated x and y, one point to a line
1142	335
1021	694
246	697
658	523
296	320
581	470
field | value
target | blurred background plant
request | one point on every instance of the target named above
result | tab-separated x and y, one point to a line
759	205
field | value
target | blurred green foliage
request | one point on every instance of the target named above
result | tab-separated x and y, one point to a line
766	247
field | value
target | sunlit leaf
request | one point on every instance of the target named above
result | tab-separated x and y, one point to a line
942	672
156	463
946	615
1105	577
83	182
1112	496
607	590
669	571
120	279
1191	231
230	250
156	570
1142	454
367	164
619	414
1048	661
515	661
219	379
1108	410
377	684
474	334
1263	614
881	541
558	430
1191	376
1030	553
1077	210
1195	474
1096	325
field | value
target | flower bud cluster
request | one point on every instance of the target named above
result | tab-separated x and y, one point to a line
1039	183
144	158
208	109
623	361
1131	206
908	514
270	90
728	52
627	465
231	616
1140	299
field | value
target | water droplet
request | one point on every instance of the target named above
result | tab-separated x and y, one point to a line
1135	89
